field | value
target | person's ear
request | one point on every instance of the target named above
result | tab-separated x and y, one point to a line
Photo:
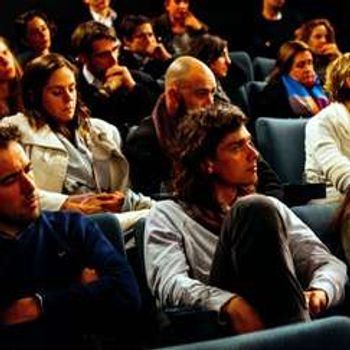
172	101
347	83
208	166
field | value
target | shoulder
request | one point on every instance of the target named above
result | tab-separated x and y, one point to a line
65	222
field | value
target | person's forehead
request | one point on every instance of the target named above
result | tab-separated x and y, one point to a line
104	44
239	135
12	158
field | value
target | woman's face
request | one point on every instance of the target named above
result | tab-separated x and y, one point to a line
59	97
221	65
302	69
7	63
318	38
38	35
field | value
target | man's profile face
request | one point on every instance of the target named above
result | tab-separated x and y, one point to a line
19	203
235	161
198	90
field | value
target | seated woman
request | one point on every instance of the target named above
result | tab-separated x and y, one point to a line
213	51
77	161
327	138
10	76
178	26
319	34
293	89
34	31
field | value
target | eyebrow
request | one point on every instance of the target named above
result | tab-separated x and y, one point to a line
5	177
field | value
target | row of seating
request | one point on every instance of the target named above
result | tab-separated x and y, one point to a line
257	69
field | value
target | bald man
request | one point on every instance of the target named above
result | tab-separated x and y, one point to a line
189	84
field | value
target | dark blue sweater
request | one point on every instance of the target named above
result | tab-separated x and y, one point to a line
48	258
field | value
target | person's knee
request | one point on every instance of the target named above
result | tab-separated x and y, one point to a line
255	203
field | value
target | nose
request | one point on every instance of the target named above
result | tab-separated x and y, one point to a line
27	183
253	152
4	60
68	95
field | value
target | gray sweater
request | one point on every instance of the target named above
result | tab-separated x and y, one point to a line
179	254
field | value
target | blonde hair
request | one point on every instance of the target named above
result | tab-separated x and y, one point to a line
337	74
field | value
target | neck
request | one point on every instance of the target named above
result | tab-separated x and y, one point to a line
225	195
11	230
104	12
4	90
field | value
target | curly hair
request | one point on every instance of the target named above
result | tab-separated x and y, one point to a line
337	73
198	135
304	32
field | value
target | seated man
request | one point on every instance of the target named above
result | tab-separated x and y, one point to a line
221	247
60	276
141	50
189	84
111	91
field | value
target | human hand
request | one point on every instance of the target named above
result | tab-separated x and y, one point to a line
118	76
316	300
160	52
92	203
243	318
330	49
193	22
20	311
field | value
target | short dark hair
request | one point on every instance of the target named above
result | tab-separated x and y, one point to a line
9	133
130	23
198	136
86	33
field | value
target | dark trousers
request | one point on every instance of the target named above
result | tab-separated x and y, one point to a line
253	260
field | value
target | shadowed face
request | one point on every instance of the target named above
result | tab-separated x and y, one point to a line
235	161
19	203
59	96
7	63
302	69
38	35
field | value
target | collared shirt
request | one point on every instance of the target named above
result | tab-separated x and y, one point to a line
91	79
106	20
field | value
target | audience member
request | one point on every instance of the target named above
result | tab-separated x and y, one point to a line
214	246
177	26
270	28
141	50
327	143
189	84
213	51
294	89
76	160
110	90
10	76
35	32
60	276
319	34
102	12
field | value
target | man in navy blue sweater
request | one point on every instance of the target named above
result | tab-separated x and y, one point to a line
59	276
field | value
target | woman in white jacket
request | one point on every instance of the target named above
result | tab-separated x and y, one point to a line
77	161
